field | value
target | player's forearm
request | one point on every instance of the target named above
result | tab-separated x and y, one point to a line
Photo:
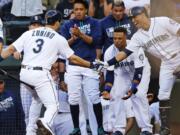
9	51
109	81
86	38
136	79
119	57
71	41
98	54
79	61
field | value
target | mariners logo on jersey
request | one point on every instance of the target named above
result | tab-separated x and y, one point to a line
124	64
86	29
110	30
5	104
156	40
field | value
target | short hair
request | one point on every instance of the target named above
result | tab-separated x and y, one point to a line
118	3
121	29
83	2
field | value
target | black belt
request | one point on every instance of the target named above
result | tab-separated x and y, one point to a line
32	68
62	112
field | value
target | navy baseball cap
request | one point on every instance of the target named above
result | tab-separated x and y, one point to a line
136	11
36	19
52	16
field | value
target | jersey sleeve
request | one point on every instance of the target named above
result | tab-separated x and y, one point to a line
139	59
134	44
170	24
108	56
20	42
64	50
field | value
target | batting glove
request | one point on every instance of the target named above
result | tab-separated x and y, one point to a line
98	65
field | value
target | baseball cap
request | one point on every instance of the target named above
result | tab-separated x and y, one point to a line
136	11
36	19
52	16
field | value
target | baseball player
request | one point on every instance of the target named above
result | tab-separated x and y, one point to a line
83	35
118	18
124	77
160	37
26	97
37	44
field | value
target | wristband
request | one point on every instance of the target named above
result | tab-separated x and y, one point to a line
134	87
112	61
107	88
61	76
1	58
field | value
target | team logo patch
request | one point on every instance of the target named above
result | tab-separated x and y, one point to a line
141	57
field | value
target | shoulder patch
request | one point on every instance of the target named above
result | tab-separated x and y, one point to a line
141	57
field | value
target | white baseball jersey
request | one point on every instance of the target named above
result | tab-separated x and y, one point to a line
160	40
37	44
1	29
127	67
123	76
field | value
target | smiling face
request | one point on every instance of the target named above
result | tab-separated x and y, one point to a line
141	21
118	12
79	11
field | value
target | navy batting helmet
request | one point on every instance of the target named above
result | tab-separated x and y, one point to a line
36	19
136	11
52	16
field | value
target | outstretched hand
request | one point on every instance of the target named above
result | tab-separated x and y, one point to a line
129	94
98	65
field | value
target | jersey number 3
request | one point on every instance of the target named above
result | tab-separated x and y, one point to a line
39	43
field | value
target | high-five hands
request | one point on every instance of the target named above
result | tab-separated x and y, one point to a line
98	65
